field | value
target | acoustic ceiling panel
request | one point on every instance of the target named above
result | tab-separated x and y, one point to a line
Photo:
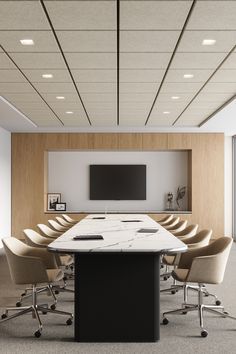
144	60
224	76
11	76
91	60
199	75
141	75
181	87
54	87
95	87
38	60
10	87
197	60
35	75
138	87
96	75
5	62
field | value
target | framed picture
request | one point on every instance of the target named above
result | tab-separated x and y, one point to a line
61	206
52	200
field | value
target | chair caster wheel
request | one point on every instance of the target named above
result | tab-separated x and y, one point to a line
3	316
37	334
69	322
18	304
57	292
206	294
173	292
225	313
165	321
44	312
23	294
184	312
218	302
165	278
53	307
65	278
204	333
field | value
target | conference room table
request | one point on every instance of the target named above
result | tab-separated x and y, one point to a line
117	278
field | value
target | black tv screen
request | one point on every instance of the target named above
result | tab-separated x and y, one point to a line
117	182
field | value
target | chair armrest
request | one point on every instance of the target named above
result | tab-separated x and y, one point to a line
186	258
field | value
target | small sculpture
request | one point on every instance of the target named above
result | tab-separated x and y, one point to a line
170	197
180	194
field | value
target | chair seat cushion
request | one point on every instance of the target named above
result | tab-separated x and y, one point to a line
180	274
169	260
54	275
66	260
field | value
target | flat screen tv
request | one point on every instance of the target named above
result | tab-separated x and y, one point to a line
117	182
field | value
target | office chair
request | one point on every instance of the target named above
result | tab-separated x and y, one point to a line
56	226
180	226
172	222
63	222
204	265
48	232
34	266
69	219
165	220
189	231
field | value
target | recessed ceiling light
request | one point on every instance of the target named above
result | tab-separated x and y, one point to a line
27	41
47	76
69	112
60	97
175	97
188	76
166	112
208	41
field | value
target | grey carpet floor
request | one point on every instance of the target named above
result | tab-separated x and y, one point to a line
181	335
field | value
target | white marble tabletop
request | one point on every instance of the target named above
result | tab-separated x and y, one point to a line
118	236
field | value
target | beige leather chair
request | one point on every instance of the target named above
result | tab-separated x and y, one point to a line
180	226
172	222
69	219
56	226
204	265
29	265
165	220
48	232
189	231
63	222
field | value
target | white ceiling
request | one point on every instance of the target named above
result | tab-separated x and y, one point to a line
116	74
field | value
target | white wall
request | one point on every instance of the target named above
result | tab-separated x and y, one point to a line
228	186
68	174
5	184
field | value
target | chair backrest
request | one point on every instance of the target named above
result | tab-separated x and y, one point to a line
47	231
189	231
172	222
166	219
63	222
34	239
68	218
57	226
209	266
201	239
23	268
181	225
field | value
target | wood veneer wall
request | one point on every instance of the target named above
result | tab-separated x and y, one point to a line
29	179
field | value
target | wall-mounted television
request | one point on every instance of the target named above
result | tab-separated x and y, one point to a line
117	182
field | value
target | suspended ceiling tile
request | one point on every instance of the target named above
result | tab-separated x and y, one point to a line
132	123
144	60
230	63
66	15
46	122
43	114
160	107
52	97
197	60
44	41
31	106
137	97
5	62
39	60
94	75
224	76
78	115
58	75
98	97
98	122
136	105
141	75
97	87
159	121
54	87
213	15
220	87
87	41
100	105
138	87
167	97
148	41
148	15
213	97
10	87
177	75
192	41
63	106
22	97
91	60
11	76
77	122
22	15
176	87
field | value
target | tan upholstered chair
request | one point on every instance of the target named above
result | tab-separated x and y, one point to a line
69	219
165	220
181	225
36	266
189	231
172	222
204	265
63	222
48	232
56	226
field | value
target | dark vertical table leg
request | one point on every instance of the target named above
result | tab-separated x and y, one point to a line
117	297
